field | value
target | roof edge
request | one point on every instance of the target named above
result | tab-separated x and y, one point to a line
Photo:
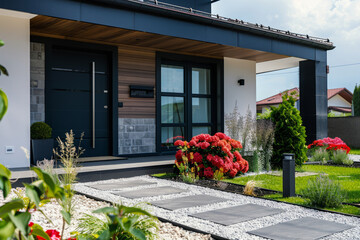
201	18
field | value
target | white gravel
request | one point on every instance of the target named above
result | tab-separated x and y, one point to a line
236	231
84	205
355	158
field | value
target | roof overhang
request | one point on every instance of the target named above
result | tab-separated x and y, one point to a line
278	64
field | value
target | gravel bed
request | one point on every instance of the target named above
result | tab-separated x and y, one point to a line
84	205
236	231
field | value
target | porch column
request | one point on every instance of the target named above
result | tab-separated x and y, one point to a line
313	96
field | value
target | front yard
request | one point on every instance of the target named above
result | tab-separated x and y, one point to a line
349	179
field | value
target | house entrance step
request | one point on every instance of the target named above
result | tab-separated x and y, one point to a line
100	158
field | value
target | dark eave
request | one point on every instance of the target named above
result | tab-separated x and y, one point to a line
158	8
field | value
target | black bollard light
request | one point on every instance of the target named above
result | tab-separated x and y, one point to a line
289	175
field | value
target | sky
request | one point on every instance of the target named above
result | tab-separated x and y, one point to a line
338	20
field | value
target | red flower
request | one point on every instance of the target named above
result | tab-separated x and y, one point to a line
204	145
192	143
179	143
233	172
53	234
31	224
197	157
179	155
208	173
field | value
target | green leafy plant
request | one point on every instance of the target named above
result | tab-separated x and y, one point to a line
14	224
3	97
121	222
40	130
290	136
320	155
323	192
340	157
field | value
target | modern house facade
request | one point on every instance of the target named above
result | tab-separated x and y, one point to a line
339	101
135	75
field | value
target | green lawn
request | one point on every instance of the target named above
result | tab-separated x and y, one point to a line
355	151
300	201
349	178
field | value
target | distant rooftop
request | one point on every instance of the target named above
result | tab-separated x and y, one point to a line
266	30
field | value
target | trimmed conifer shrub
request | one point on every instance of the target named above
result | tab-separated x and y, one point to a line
290	135
356	101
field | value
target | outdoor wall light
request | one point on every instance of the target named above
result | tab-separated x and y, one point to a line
241	82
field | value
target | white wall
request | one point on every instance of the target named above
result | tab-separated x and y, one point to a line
338	101
15	56
245	96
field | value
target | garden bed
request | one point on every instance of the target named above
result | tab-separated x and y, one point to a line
270	186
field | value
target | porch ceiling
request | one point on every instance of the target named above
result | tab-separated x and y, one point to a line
87	32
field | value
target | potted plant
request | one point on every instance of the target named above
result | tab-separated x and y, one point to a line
41	142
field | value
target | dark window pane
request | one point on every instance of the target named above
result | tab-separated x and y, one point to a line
201	130
170	134
172	79
172	109
200	81
201	110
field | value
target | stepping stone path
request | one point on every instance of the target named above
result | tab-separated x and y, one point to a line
188	201
150	192
119	185
237	214
304	228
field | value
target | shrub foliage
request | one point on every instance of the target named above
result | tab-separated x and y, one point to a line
356	100
40	130
323	192
290	136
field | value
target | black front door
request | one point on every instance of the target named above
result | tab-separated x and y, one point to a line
77	97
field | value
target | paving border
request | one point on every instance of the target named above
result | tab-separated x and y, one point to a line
216	237
318	209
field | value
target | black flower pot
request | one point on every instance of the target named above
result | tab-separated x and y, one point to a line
41	149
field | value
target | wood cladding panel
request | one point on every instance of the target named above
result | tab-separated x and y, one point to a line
87	32
136	66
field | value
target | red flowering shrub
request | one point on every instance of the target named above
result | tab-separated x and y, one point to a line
211	154
331	144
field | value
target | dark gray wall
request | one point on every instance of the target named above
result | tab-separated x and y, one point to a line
313	96
346	128
202	5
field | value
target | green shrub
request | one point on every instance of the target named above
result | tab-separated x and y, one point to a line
356	100
340	157
40	130
290	136
323	192
320	155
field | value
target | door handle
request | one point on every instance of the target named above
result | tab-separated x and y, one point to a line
93	105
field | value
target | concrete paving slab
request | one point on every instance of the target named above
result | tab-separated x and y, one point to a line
150	192
119	185
189	201
242	213
304	228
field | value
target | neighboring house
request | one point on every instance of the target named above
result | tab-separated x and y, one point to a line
136	75
339	101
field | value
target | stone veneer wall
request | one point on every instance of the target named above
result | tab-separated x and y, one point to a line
37	82
136	135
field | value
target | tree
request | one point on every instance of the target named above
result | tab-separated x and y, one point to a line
3	97
356	101
290	135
